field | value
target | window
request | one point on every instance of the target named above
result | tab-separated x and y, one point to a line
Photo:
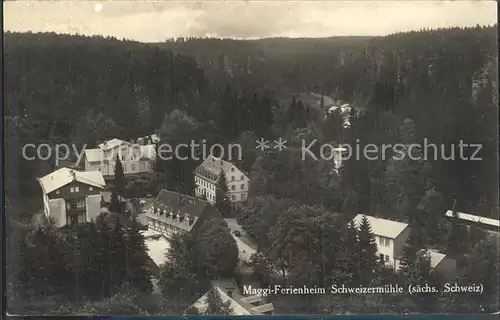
233	187
143	165
384	242
233	197
381	257
242	186
77	189
74	189
232	169
58	191
242	197
386	258
242	177
133	167
91	189
232	178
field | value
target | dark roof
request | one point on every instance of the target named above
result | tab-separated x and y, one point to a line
180	203
178	210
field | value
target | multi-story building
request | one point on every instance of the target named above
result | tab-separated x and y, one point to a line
136	159
208	173
71	196
175	213
391	237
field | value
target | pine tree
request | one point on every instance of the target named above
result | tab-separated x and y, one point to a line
222	202
367	250
412	253
137	259
104	261
215	304
351	251
118	258
119	181
115	206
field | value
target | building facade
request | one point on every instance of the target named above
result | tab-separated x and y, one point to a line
207	177
71	196
174	213
136	159
390	236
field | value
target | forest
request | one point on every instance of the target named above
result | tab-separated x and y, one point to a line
438	85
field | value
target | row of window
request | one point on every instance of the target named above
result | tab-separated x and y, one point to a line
211	186
75	190
76	204
384	258
211	196
133	167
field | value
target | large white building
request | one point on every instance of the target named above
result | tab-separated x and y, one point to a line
71	196
391	237
136	159
208	173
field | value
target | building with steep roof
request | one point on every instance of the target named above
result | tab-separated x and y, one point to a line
136	159
176	213
71	196
207	175
391	237
241	305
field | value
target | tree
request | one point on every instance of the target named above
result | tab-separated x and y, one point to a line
218	251
367	250
215	304
222	202
139	274
119	181
483	268
115	206
351	252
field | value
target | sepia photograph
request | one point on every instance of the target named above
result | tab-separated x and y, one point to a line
246	158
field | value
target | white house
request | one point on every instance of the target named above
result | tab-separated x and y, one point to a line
207	176
71	196
390	236
136	159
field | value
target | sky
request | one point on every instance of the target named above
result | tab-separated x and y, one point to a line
155	21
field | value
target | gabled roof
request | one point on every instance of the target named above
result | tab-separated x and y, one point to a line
178	210
147	152
113	143
211	168
241	305
64	176
382	227
435	257
477	219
